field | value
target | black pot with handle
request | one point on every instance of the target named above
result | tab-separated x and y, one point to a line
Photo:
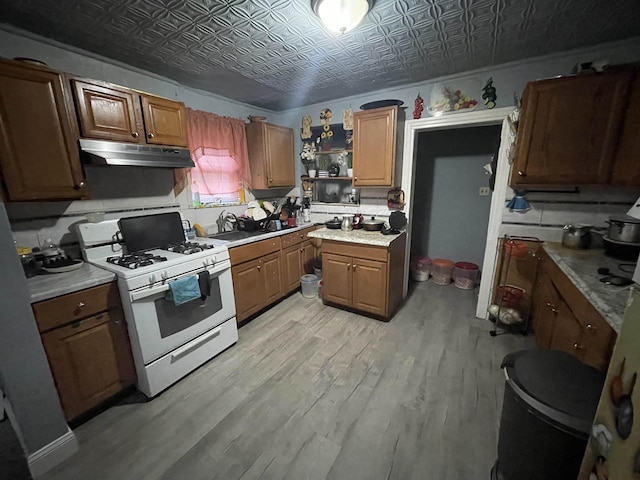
372	225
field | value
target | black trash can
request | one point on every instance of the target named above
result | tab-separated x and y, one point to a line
550	400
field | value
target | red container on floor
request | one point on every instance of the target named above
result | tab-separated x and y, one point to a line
465	275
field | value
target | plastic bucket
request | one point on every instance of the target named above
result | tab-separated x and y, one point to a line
465	275
420	268
309	286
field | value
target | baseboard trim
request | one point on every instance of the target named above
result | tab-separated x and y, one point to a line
52	454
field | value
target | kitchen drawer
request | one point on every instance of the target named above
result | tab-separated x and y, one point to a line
58	311
356	250
250	251
291	239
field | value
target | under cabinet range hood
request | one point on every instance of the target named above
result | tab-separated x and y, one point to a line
103	152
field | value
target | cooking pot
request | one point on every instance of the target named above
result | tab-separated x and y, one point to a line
621	250
372	225
333	224
578	237
624	228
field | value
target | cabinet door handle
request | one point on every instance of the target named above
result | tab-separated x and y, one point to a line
577	346
81	304
553	308
80	185
302	249
354	266
355	178
521	173
135	134
150	135
348	266
588	326
259	267
271	180
116	321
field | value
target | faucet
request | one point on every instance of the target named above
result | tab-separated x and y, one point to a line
221	222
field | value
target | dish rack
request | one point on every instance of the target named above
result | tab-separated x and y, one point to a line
514	284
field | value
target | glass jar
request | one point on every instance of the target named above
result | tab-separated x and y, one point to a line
28	261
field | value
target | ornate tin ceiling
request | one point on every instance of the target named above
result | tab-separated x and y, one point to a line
276	53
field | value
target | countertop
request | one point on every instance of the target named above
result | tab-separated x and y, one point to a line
256	238
355	236
581	266
49	285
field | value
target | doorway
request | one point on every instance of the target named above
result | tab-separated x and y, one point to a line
412	129
452	199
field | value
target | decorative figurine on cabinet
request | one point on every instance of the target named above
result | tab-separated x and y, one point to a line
419	107
306	127
489	94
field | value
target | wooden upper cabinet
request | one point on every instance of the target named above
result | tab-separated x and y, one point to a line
165	121
568	130
374	147
108	113
626	167
39	154
270	155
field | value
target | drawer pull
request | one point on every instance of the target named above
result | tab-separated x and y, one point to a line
590	327
150	135
521	173
116	321
81	304
553	308
577	346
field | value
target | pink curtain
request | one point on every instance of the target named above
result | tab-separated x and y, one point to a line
218	148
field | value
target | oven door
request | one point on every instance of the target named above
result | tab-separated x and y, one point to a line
161	326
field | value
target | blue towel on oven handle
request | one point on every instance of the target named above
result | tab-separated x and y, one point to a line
183	290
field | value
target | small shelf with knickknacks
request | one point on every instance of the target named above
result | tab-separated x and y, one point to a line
320	179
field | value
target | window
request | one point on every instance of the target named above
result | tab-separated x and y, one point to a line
218	148
215	178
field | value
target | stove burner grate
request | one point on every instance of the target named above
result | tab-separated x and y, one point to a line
135	260
187	248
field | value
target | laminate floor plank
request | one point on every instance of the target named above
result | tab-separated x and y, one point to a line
314	392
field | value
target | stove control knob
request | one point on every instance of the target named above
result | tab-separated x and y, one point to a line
152	278
164	276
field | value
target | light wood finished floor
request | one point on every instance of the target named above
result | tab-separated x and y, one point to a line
312	392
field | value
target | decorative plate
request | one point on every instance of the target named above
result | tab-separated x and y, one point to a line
454	97
380	104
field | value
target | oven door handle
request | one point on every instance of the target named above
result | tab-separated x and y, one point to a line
182	351
135	296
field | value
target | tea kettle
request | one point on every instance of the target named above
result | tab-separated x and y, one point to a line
578	237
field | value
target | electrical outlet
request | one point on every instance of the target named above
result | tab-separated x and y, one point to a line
484	191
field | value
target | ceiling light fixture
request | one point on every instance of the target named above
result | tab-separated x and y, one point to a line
340	16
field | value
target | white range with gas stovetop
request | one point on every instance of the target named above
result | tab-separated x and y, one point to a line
148	253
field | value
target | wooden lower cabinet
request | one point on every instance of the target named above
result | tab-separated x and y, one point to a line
271	277
291	262
337	279
265	271
362	277
247	288
563	319
257	276
90	358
